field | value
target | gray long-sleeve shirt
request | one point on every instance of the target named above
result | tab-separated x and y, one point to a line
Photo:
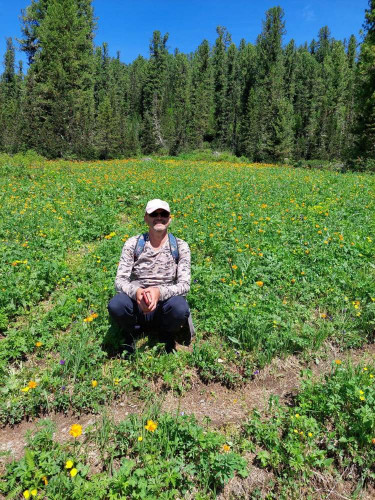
155	268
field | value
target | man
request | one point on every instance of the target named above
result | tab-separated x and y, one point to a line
152	280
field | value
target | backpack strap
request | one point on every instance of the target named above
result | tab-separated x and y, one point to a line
140	246
143	238
173	245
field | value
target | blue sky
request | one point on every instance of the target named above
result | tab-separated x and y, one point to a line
127	25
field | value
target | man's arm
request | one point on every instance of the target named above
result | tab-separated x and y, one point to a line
182	285
122	281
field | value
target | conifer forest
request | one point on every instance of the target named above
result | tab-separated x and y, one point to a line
266	101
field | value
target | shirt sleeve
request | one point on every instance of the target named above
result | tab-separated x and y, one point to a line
182	285
124	270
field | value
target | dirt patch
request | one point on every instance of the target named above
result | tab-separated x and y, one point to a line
13	439
282	377
258	479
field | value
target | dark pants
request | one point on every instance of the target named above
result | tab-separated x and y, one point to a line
166	319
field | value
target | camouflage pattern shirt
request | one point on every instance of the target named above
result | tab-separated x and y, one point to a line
154	268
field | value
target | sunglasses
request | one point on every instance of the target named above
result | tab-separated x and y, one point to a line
162	213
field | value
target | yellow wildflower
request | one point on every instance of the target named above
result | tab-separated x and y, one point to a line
73	472
69	464
75	430
226	448
151	426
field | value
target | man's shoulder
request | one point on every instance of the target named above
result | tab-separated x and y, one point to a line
182	244
132	241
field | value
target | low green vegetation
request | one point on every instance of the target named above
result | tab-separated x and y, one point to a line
282	263
328	429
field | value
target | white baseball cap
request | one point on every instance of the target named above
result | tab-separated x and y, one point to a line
153	205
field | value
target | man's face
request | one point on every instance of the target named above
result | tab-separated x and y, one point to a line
158	220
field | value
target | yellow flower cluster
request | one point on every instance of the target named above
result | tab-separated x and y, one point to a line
69	465
31	385
90	318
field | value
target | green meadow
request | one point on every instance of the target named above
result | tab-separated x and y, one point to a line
282	268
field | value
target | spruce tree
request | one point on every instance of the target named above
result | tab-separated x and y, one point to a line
365	144
59	107
154	105
308	86
350	98
270	111
180	104
220	79
247	61
10	87
201	96
233	96
31	18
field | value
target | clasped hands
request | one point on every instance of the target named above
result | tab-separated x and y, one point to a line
148	298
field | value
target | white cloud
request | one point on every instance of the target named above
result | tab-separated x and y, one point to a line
308	13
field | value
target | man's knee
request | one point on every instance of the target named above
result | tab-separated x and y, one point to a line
176	307
120	305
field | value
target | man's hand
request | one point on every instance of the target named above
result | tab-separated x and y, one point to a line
152	296
148	298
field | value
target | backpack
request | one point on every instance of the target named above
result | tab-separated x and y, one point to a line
143	238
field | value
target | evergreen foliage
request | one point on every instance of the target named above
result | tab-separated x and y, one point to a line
366	88
267	101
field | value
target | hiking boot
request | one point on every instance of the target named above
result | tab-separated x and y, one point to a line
127	346
186	332
170	346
